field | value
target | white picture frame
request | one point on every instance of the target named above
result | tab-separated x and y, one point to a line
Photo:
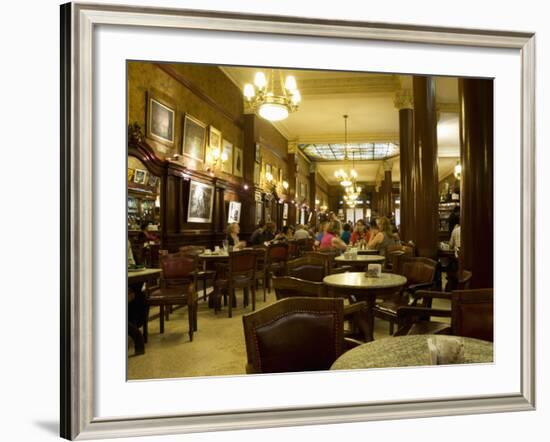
201	202
80	384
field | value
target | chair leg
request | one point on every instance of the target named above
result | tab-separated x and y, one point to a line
196	307
264	289
161	315
191	320
145	325
253	290
391	328
231	295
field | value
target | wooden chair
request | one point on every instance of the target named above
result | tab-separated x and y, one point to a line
471	315
293	250
313	266
275	261
291	287
294	334
261	268
420	274
241	274
177	287
202	274
305	245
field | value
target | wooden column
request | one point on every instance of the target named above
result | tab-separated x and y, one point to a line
387	190
425	177
476	210
293	215
403	101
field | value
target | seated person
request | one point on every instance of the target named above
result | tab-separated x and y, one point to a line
346	234
331	239
257	236
301	232
359	233
233	231
382	236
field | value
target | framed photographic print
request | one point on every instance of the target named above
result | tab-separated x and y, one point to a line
267	168
234	215
160	120
285	210
201	202
194	138
101	392
227	151
140	176
153	180
259	210
257	173
238	162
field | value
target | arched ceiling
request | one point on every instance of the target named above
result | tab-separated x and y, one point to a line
368	99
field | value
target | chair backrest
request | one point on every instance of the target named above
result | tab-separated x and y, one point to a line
395	256
313	266
464	281
294	334
176	266
290	287
277	252
472	314
242	263
293	250
305	245
418	270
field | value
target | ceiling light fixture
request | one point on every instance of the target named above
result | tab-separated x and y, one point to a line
268	104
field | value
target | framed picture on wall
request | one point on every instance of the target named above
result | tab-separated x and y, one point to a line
161	116
194	138
140	176
98	400
303	190
267	168
130	174
214	139
238	162
227	156
201	202
234	215
285	210
281	175
259	209
257	170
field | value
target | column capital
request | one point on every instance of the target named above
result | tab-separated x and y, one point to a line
292	147
403	99
387	165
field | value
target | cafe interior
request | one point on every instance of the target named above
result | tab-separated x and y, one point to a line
291	220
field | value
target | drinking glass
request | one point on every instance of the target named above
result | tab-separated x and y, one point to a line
225	245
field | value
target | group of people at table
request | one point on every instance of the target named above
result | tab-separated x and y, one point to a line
331	234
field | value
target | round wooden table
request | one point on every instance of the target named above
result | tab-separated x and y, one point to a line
364	288
360	262
406	351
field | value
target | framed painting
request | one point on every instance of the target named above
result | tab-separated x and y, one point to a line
97	398
201	202
227	157
140	176
258	152
194	138
214	139
160	120
234	215
285	210
238	162
257	173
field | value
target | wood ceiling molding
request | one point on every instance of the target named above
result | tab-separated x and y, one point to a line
350	85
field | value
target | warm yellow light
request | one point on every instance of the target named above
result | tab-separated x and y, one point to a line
273	111
353	173
296	97
285	184
458	170
260	80
290	83
268	177
224	157
249	91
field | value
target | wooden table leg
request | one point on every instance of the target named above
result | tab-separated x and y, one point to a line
371	301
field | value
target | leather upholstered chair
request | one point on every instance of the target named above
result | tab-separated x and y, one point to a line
275	261
203	275
305	245
471	315
420	274
356	313
294	334
313	266
177	287
241	274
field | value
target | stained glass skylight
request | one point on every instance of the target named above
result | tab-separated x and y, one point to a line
357	151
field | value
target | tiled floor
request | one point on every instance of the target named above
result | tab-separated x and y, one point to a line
218	347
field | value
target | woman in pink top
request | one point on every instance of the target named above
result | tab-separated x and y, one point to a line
331	239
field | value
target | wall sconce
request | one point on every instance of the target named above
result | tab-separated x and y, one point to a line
458	171
216	158
269	177
285	184
317	202
245	187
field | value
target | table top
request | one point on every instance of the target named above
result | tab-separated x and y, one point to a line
214	256
359	280
144	272
361	259
406	351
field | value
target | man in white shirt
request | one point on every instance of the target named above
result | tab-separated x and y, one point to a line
301	232
454	242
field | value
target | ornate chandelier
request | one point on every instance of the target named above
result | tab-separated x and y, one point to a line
268	104
346	179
